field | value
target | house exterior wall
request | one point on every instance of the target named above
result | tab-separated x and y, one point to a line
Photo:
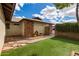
15	30
40	27
27	28
2	28
71	35
23	27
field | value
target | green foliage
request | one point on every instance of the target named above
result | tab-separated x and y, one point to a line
68	27
62	5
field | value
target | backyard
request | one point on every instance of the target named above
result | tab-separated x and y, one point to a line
56	46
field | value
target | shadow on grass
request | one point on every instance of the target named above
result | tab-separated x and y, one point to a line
65	39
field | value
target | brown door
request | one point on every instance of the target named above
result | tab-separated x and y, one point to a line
28	29
47	30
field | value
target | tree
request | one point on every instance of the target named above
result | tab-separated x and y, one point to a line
77	15
62	5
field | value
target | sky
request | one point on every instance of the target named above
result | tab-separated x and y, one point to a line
46	11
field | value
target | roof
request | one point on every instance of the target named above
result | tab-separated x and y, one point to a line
8	9
35	20
32	20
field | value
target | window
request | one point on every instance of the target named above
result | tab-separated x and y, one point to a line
7	25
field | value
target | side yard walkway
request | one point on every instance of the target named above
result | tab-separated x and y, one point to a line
23	41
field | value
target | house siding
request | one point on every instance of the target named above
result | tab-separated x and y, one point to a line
2	28
40	27
27	28
15	30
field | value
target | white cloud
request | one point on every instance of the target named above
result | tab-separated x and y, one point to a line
18	17
71	14
17	7
70	11
51	13
38	15
23	17
48	10
21	4
53	21
70	20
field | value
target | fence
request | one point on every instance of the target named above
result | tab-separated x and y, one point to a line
70	30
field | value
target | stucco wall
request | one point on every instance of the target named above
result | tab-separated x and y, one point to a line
71	35
2	28
40	27
14	30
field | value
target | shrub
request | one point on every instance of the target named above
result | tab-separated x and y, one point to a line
68	27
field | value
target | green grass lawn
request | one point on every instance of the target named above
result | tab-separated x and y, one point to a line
51	47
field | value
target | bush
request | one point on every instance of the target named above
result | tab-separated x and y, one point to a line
68	27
